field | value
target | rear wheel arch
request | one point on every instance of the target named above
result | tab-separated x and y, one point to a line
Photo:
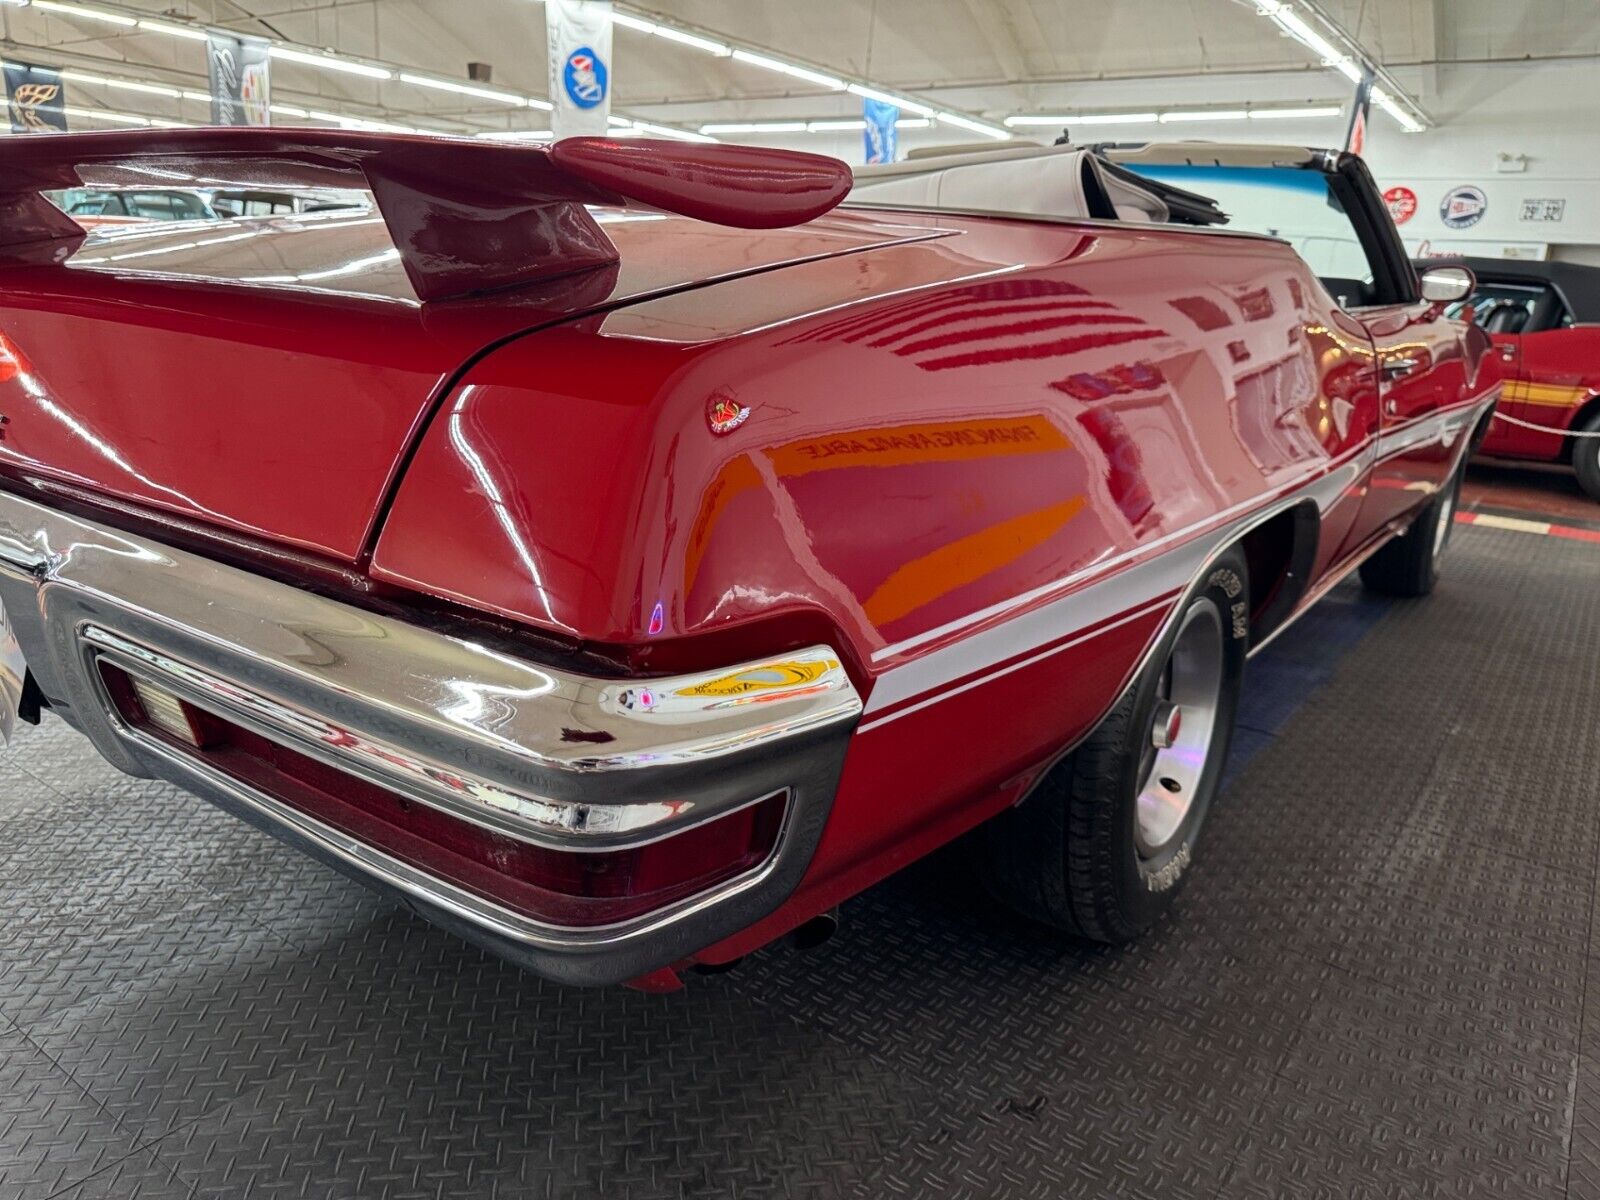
1281	552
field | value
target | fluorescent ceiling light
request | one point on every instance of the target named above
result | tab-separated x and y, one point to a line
287	110
128	85
463	89
1387	102
180	31
1283	14
783	68
682	135
956	119
106	115
78	10
1140	118
654	28
686	38
1272	114
683	36
871	93
833	126
517	135
627	21
349	122
757	127
327	62
1232	114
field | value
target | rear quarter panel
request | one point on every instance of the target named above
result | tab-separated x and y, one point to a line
964	461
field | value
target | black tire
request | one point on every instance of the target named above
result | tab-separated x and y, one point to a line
1072	854
1586	457
1409	564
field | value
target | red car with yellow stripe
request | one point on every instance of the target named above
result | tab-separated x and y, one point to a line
1544	319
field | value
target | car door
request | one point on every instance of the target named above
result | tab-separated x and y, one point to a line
1556	366
1420	359
1508	313
1421	365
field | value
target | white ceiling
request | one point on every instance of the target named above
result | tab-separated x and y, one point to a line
993	57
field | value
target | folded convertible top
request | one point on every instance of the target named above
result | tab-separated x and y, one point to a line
466	216
1065	181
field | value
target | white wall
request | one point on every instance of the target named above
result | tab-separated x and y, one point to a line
1550	113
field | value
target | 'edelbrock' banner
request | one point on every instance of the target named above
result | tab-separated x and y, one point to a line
36	97
580	65
241	91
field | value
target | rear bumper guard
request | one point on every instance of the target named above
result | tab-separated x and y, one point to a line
549	758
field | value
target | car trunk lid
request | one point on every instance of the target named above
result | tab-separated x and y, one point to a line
268	377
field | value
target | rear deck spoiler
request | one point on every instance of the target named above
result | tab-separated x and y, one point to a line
466	216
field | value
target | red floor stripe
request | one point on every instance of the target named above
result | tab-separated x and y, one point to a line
1530	525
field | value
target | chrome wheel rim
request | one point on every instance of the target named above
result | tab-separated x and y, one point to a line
1177	752
1447	514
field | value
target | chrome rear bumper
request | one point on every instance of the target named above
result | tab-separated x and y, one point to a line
554	758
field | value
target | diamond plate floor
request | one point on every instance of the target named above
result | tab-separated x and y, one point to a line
1383	981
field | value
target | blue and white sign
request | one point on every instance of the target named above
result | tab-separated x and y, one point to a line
579	33
1463	207
584	78
881	136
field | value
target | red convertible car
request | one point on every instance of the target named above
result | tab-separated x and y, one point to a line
623	555
1544	319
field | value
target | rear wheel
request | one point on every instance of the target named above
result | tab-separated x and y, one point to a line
1102	846
1586	457
1409	564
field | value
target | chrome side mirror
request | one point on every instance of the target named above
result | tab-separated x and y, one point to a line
1443	285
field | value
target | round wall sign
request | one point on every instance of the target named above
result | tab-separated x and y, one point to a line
1463	207
1402	202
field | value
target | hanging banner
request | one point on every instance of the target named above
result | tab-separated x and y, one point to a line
36	97
882	138
1355	130
579	34
241	92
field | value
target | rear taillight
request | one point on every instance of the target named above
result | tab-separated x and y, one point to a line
572	888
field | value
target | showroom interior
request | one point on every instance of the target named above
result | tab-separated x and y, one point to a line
835	598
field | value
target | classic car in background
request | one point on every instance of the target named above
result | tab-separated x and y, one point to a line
105	206
1544	318
137	204
623	555
265	202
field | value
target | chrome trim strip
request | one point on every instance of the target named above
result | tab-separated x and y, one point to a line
878	722
570	827
1104	598
1107	565
930	675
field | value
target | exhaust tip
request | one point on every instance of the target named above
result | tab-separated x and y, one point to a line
816	931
